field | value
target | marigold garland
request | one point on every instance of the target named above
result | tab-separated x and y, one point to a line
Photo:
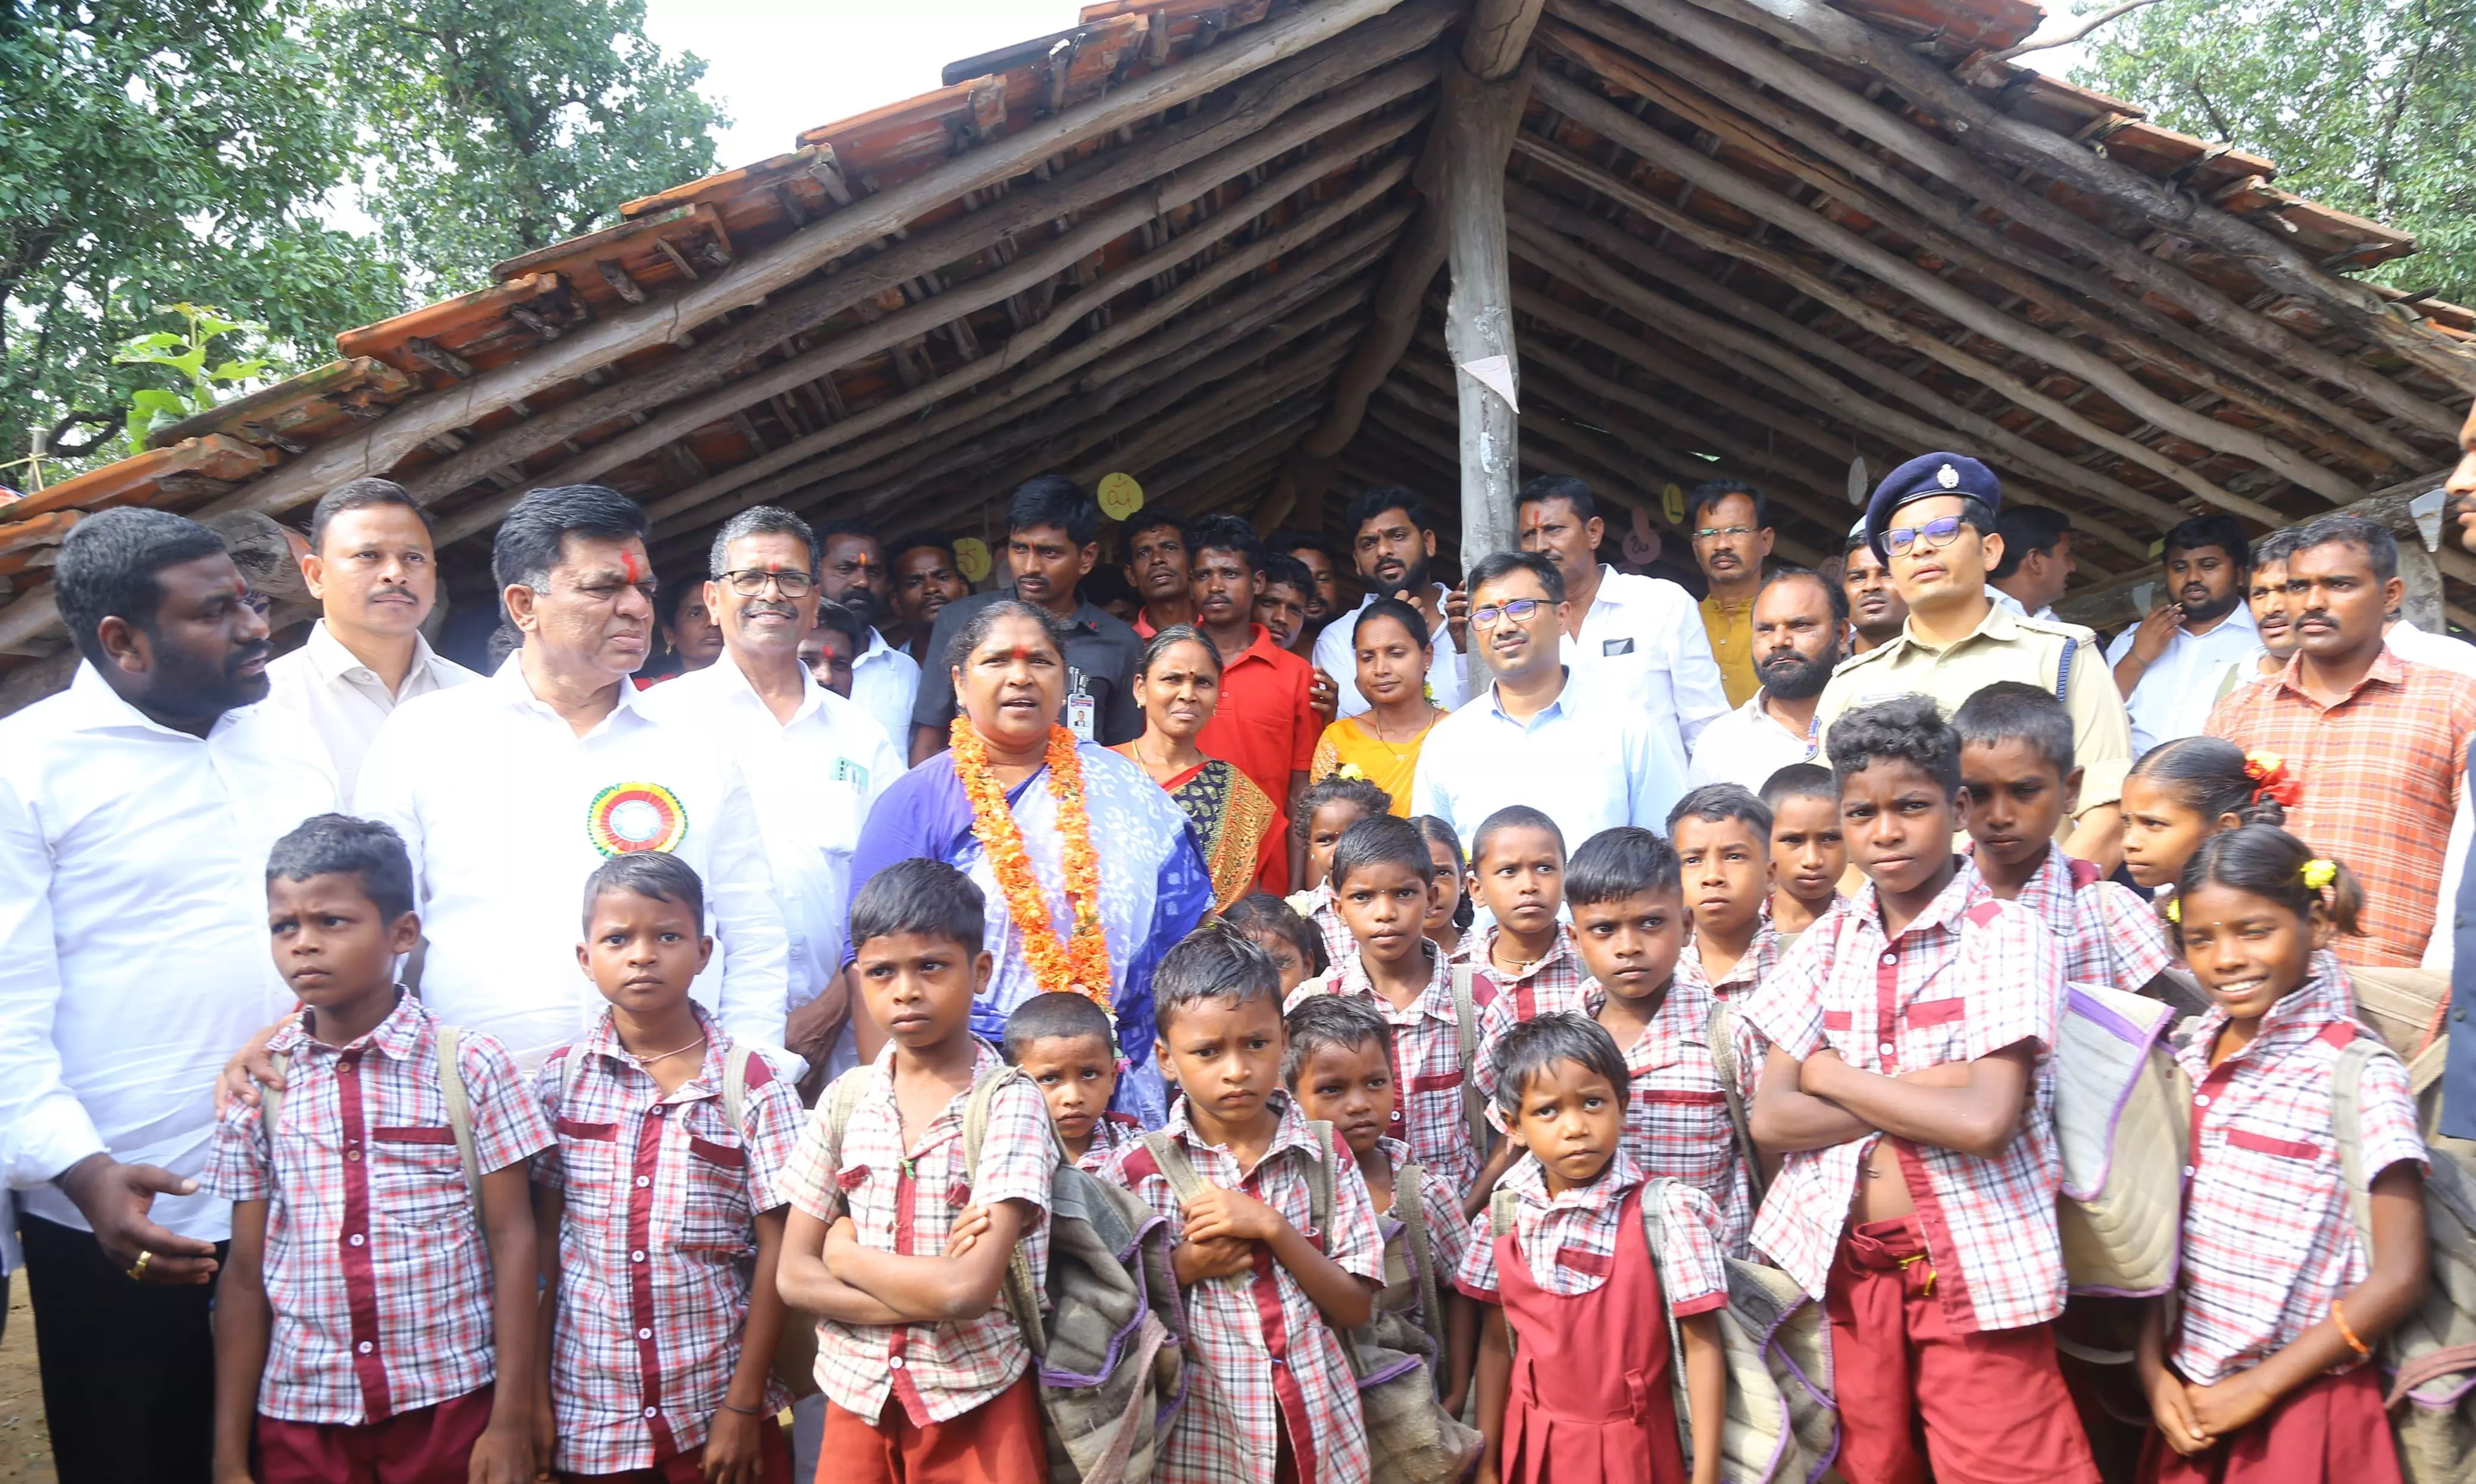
1081	963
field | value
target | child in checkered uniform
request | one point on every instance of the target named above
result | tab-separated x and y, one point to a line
1066	1047
1809	850
2263	1375
1270	1399
1326	812
1910	1086
900	1252
1450	915
1722	836
1517	874
370	1324
1296	945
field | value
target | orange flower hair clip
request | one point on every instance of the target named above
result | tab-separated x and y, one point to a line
2270	780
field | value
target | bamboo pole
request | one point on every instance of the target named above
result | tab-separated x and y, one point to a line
1479	120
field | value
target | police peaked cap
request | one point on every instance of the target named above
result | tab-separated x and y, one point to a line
1923	478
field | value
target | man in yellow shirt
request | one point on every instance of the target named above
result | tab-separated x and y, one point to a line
1732	535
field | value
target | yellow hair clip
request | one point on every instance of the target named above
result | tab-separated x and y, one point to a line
2175	911
2319	873
1351	771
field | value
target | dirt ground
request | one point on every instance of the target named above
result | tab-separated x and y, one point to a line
25	1447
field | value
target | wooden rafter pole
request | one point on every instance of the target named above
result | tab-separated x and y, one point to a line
1479	120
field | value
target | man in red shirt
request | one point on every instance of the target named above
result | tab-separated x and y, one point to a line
1267	724
1157	563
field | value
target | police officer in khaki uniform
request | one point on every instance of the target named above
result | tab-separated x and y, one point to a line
1931	522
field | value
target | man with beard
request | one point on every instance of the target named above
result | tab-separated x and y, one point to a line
885	680
1289	591
1875	611
1798	618
1323	575
2164	664
1395	542
1158	567
136	808
926	578
1732	538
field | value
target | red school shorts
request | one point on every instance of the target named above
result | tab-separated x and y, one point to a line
427	1445
996	1443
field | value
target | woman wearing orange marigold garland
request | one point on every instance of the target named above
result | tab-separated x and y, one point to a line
1090	870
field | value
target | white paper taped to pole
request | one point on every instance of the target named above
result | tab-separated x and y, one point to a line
1496	374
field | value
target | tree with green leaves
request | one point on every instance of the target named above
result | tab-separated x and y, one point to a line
2366	105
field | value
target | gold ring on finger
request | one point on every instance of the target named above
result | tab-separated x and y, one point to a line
138	1269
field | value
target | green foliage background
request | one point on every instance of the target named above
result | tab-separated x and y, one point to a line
309	165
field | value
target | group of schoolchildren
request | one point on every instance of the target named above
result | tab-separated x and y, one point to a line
1697	1035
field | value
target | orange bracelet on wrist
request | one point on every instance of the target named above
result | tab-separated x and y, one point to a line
2338	1316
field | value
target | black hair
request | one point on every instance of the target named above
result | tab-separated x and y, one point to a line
2015	710
913	540
504	640
985	620
1283	570
1496	566
106	567
1380	840
2275	547
1106	584
1437	832
340	845
1858	539
1711	492
1832	593
1369	503
2207	776
1908	728
2370	536
1625	861
826	531
922	896
1215	961
843	621
2268	861
1800	780
1055	500
1341	1022
2026	528
1718	803
1336	789
2217	528
1227	533
676	596
1394	609
765	520
533	535
361	494
1152	517
1289	542
1163	640
1064	1017
1544	488
1260	912
1514	816
656	874
1535	1045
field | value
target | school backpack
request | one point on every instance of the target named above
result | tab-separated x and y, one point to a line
1411	1439
1466	1029
2122	1125
1783	1425
1722	1034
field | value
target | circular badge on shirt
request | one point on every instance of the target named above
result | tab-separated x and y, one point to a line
628	817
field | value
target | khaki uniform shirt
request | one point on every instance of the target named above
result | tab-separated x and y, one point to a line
2004	647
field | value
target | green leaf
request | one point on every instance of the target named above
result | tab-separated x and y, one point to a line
150	409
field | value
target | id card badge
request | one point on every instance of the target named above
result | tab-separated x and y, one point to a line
1078	716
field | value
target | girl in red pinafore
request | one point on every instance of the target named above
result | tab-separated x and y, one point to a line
1577	1384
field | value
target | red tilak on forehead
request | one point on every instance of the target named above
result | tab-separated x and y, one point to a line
1022	652
629	564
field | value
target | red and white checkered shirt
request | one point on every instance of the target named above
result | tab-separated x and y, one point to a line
1961	982
657	1248
1761	956
375	1268
2109	935
1315	904
1428	1071
1552	983
1569	1242
1676	1115
1261	1360
2268	1238
1447	1228
1110	1133
906	1200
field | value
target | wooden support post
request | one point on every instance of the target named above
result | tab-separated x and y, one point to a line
1479	120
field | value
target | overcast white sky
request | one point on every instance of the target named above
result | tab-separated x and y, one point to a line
778	66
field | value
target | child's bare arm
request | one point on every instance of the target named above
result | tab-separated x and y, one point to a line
549	1213
2372	1308
803	1281
734	1452
1498	1162
2170	1406
1980	1118
1347	1300
1216	1257
931	1290
1707	1390
1494	1382
505	1453
1787	1115
1462	1314
243	1320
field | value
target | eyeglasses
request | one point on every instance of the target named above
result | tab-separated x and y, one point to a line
1709	533
1518	610
1937	533
748	581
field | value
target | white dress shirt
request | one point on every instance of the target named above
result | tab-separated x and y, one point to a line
500	802
885	684
1747	746
2176	694
1998	595
343	700
2459	656
1336	655
1644	637
134	956
1589	760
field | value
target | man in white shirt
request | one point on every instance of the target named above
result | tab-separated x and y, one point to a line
373	569
1539	734
1395	542
1800	617
885	680
814	762
508	793
2167	665
2037	561
137	809
1641	637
